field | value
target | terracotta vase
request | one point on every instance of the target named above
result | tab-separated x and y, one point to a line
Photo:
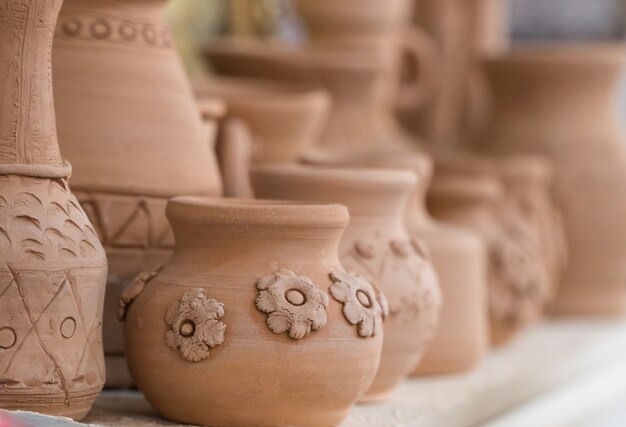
517	279
377	246
253	322
52	266
559	101
460	260
359	119
284	120
126	114
463	30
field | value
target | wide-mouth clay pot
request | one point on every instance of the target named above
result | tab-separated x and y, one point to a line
254	305
128	123
375	245
352	77
559	100
517	278
283	121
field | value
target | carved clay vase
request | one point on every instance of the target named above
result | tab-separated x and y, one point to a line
559	101
352	78
460	260
284	120
517	291
126	114
237	328
52	266
377	246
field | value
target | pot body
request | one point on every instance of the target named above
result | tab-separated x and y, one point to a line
559	102
52	266
252	258
517	279
377	246
125	114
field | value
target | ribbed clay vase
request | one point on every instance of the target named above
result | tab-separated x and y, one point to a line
376	246
460	260
284	121
129	125
560	101
253	322
52	266
517	279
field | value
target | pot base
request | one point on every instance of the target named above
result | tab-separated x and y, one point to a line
73	405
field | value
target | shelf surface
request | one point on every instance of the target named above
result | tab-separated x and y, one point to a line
556	374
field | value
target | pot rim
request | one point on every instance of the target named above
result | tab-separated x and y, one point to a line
240	212
456	187
263	92
560	52
307	56
372	178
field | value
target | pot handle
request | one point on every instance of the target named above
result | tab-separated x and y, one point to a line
420	67
133	290
234	154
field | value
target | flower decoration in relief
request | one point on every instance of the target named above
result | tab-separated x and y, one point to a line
195	325
292	303
361	304
133	290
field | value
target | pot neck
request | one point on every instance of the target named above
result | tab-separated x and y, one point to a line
145	10
371	195
27	122
226	230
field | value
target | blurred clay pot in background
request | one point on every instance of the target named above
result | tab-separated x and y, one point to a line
284	120
128	123
52	266
237	328
560	101
359	119
375	245
460	260
518	283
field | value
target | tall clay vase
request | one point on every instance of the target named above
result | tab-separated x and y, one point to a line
560	101
52	266
253	322
377	246
517	291
128	123
460	260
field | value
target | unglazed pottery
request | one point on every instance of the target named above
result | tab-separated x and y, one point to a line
518	283
460	260
253	322
126	114
285	120
52	266
377	246
464	30
560	101
359	118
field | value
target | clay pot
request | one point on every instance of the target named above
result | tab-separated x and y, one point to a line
285	120
126	114
377	246
559	101
52	266
359	118
518	288
460	260
463	30
237	328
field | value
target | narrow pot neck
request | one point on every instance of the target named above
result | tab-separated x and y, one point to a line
27	122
